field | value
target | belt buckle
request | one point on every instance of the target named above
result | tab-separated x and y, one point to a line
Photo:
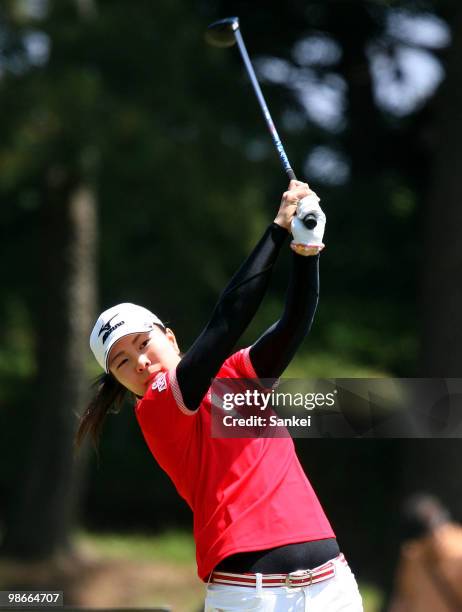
301	575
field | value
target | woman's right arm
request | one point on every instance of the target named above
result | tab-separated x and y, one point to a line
236	306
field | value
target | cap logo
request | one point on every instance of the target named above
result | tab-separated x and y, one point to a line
108	329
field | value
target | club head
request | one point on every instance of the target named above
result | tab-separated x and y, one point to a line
221	33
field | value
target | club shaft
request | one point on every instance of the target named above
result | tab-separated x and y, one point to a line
269	122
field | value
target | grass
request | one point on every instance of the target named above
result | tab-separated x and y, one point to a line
172	546
372	597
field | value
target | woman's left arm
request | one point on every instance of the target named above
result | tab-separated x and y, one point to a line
273	351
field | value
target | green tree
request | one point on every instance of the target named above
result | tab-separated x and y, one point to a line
41	147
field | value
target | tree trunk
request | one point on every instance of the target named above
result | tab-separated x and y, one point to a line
442	255
48	500
430	464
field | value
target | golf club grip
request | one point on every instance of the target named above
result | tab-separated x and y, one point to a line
291	174
310	220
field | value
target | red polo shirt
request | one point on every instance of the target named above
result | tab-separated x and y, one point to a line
246	493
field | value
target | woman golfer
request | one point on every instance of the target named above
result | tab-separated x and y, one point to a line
262	539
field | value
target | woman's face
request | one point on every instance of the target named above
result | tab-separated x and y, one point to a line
136	359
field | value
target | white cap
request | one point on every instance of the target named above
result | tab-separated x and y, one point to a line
117	322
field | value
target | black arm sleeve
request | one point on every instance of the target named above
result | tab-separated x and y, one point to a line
273	351
235	309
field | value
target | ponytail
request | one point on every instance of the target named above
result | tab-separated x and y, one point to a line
108	398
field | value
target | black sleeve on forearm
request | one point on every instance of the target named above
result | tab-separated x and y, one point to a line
235	309
274	350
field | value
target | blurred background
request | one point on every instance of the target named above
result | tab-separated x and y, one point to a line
135	166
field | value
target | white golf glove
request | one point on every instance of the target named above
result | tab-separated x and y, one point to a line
306	241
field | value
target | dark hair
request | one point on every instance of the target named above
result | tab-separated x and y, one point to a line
110	394
109	397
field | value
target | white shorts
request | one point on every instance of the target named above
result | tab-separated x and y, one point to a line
337	594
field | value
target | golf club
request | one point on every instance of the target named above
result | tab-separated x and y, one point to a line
225	33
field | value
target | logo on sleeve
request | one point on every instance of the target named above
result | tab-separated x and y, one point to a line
160	383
